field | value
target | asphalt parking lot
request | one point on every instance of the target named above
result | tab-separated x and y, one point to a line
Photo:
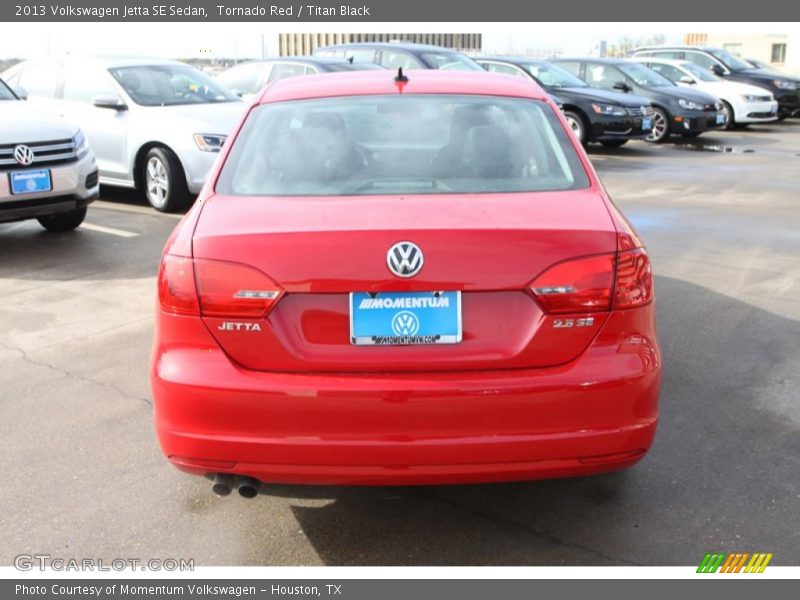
83	476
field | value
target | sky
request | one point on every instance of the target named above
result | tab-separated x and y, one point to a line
245	40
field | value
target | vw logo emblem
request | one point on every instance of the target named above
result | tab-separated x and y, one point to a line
23	155
405	259
405	323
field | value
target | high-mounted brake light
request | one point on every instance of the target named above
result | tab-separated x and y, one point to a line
228	289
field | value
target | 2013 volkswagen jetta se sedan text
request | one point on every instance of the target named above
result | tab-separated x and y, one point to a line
388	281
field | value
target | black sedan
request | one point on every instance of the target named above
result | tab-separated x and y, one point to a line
595	115
677	110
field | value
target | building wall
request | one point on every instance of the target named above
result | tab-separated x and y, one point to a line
754	45
299	44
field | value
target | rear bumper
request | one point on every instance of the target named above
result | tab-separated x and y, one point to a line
594	414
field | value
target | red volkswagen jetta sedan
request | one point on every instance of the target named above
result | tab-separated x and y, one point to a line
392	280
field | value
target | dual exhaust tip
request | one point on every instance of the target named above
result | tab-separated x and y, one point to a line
246	486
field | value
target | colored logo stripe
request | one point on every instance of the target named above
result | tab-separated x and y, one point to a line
734	563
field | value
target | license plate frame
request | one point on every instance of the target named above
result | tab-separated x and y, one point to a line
30	181
397	320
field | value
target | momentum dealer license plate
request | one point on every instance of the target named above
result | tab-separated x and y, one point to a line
405	318
30	182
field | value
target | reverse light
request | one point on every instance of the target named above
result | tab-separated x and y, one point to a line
228	289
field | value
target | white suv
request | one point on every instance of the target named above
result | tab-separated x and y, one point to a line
47	170
155	125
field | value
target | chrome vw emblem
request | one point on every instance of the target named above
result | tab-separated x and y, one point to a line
23	155
405	259
405	323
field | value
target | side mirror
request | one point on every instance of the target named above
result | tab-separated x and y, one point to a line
717	70
111	102
688	80
622	86
21	92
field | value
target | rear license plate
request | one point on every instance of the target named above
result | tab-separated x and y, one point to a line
405	318
647	123
30	182
720	119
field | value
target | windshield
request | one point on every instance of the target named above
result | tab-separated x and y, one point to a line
731	61
552	75
170	85
401	144
701	73
5	92
643	76
450	61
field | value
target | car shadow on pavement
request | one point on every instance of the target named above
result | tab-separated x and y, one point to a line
722	474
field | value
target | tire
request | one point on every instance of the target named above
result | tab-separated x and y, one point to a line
613	143
730	122
66	221
578	126
163	180
660	131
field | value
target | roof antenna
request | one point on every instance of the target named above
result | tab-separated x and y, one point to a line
400	77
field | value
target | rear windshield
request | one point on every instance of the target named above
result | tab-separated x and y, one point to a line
401	144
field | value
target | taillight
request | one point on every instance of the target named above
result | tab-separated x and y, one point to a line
585	284
634	285
228	289
576	286
176	289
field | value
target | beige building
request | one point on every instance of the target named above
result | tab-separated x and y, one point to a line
300	44
781	51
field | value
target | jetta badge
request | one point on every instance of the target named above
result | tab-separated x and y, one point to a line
23	155
405	259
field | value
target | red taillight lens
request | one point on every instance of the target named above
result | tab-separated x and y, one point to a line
575	286
634	279
228	289
176	290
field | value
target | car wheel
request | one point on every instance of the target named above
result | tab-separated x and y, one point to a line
613	143
730	117
164	180
66	221
660	130
576	124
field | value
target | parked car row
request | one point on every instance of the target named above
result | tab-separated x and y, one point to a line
158	125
